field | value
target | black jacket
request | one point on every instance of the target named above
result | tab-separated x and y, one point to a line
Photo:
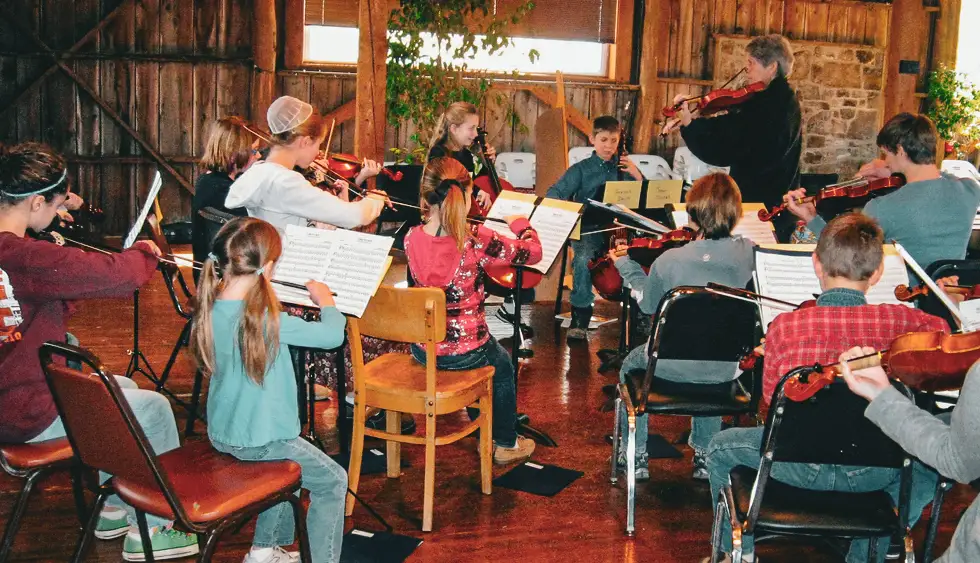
761	140
210	190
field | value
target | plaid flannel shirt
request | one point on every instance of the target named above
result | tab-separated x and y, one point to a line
819	335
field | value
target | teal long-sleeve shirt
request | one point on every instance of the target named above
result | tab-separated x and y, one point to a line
583	180
243	413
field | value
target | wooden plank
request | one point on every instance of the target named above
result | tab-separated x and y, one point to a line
8	88
575	118
147	26
239	26
147	117
296	85
725	16
232	81
686	37
29	108
838	18
326	93
876	28
647	112
526	106
794	19
58	114
499	130
856	23
177	26
115	199
621	52
176	108
577	99
294	34
947	33
743	17
372	76
817	15
700	37
57	24
775	21
908	16
205	104
344	114
207	26
88	133
673	37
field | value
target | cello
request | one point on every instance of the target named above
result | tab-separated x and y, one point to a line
491	184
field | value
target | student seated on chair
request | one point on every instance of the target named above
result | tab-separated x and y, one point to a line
241	339
945	443
848	260
714	205
580	183
932	214
44	278
446	253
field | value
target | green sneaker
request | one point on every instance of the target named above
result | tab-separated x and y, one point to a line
112	524
167	544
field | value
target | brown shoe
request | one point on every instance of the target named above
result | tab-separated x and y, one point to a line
522	451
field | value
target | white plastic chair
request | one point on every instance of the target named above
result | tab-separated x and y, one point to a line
652	167
689	167
579	153
518	168
961	169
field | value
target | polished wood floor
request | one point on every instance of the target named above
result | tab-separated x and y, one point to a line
561	390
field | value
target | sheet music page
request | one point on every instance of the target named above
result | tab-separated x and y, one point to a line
749	226
151	197
623	192
351	263
509	203
553	220
785	271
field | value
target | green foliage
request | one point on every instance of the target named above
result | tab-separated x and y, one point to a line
954	106
420	86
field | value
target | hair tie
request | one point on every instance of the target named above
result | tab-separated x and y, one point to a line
260	271
212	257
61	180
444	187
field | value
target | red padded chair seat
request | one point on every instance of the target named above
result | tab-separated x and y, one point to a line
209	484
24	457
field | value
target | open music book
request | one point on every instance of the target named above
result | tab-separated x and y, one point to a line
553	220
351	263
749	226
785	271
151	199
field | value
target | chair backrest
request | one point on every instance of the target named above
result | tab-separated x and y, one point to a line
652	167
689	318
576	154
689	167
830	428
518	168
99	424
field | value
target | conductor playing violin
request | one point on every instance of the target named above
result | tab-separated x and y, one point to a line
760	138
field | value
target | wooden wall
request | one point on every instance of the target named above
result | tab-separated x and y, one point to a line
167	67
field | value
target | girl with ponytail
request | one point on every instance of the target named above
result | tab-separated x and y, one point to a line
445	253
240	339
455	133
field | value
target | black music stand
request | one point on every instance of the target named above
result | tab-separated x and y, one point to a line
560	292
524	427
610	358
136	355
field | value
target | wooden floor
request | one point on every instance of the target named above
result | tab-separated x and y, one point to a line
561	390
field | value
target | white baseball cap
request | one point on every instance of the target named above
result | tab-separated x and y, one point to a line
287	113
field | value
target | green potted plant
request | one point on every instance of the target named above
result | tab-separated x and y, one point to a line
422	82
954	106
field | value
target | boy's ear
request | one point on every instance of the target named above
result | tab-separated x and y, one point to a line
592	138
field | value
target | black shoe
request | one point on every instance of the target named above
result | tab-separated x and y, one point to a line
508	318
579	329
896	550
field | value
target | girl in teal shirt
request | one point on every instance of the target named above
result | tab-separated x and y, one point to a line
240	339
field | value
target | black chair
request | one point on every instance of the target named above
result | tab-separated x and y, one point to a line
969	274
828	429
692	323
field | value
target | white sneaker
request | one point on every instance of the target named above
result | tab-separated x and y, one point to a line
278	555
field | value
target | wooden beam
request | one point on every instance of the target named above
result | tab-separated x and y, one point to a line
294	34
621	52
372	76
345	112
264	42
575	118
92	33
947	34
648	109
106	108
907	30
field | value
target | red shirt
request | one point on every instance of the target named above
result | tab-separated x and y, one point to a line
43	278
437	262
820	334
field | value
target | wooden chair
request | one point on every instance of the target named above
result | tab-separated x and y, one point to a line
31	462
397	383
202	490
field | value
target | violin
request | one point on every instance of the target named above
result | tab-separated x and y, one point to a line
605	276
348	166
860	190
907	293
925	361
713	102
491	184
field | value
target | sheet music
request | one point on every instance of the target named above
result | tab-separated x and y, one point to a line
749	226
553	220
151	197
785	271
351	263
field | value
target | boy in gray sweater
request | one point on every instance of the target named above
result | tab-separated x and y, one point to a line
949	448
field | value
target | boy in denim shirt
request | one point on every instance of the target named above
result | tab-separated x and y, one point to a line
581	182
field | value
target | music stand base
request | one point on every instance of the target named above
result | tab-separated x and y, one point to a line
528	431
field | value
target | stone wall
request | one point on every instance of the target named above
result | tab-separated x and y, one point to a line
840	90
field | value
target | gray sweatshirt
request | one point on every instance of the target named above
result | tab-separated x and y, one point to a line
951	449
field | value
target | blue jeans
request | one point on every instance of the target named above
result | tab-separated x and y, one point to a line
155	417
585	250
741	446
703	428
504	391
322	477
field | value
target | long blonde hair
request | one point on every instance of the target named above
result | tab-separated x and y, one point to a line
242	247
455	114
445	182
229	145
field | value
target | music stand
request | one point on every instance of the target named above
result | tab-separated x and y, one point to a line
136	355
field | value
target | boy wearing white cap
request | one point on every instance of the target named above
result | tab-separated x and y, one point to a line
273	191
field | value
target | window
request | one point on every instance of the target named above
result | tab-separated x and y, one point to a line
968	50
571	36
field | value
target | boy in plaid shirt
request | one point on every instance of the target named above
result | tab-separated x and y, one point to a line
849	259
